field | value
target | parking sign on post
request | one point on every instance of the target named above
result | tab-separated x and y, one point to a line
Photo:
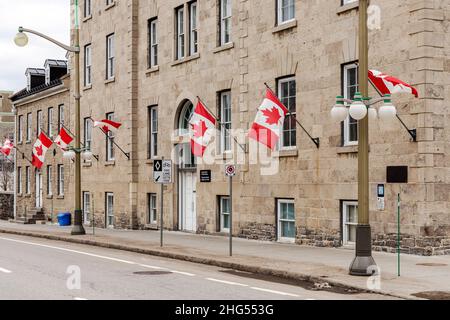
230	172
162	174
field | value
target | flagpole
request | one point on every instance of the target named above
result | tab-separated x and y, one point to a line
127	154
23	155
316	141
82	144
221	124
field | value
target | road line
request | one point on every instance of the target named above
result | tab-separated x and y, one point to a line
79	299
150	267
183	273
275	292
227	282
5	270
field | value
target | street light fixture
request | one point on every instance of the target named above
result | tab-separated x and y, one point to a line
21	40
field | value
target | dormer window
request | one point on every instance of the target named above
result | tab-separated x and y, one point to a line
47	75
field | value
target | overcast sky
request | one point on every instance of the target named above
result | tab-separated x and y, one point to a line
51	17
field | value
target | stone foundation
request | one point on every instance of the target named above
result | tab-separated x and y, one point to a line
317	238
258	231
423	246
6	206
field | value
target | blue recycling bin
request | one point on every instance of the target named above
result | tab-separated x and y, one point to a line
64	219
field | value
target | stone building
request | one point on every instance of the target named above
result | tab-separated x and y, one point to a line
44	105
6	132
145	62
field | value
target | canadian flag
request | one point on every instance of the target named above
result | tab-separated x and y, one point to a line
40	148
201	129
107	125
386	84
7	147
269	121
63	139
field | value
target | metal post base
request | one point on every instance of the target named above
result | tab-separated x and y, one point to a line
78	229
363	264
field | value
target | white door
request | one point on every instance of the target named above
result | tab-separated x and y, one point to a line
38	189
188	210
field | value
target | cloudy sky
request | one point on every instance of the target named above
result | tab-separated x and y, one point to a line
51	17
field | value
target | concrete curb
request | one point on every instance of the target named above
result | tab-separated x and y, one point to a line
207	261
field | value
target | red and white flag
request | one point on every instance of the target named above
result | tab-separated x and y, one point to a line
386	84
107	125
7	147
40	148
202	125
63	139
269	121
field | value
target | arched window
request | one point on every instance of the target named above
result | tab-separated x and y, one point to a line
185	157
185	116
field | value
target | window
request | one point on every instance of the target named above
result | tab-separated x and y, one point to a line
224	209
153	43
87	8
180	33
60	117
109	2
350	87
109	209
50	122
286	220
87	65
27	180
88	134
286	11
49	181
60	180
152	210
225	21
225	119
193	32
344	2
350	221
39	123
110	57
153	132
287	94
29	126
110	140
87	207
19	180
20	129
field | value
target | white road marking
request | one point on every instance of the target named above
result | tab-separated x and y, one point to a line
79	299
228	282
183	273
150	267
275	292
5	270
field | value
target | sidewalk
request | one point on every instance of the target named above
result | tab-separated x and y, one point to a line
285	260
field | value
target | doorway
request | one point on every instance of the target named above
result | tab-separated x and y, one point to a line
38	185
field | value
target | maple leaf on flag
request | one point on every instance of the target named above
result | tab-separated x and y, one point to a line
199	129
105	129
273	115
39	151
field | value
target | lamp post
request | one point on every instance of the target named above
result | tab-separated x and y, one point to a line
361	109
21	40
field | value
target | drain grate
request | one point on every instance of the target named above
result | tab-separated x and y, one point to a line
433	295
432	264
152	273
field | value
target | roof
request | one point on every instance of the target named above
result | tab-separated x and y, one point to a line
55	63
26	93
35	71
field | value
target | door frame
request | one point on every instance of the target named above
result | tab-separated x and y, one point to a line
38	189
180	182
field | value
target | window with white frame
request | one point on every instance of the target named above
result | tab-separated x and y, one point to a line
225	120
87	8
285	11
153	43
287	93
109	209
87	207
153	132
110	156
224	211
349	221
19	180
180	33
60	117
27	180
39	123
344	2
109	2
225	21
29	126
350	87
193	31
60	180
20	129
152	208
49	180
88	134
87	65
286	220
110	56
50	122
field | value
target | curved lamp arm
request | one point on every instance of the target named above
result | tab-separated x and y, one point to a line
68	48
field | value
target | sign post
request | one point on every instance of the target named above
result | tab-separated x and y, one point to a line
162	174
398	235
230	172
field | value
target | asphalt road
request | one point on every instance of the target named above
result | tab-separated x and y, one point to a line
38	269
